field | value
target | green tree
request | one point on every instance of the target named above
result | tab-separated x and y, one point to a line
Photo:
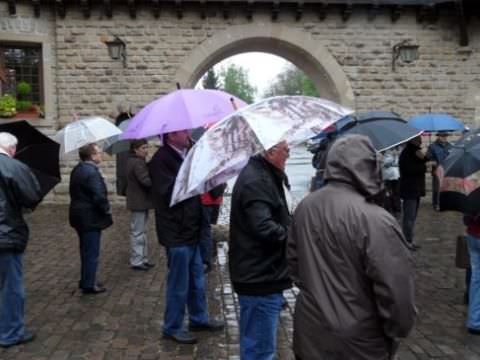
291	81
210	80
235	80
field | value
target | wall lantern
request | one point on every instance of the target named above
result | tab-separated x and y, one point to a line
117	49
404	50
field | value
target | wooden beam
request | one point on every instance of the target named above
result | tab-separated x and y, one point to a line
107	8
462	24
179	9
275	10
36	8
226	9
373	12
12	7
396	12
156	8
427	13
132	8
299	11
86	7
203	9
346	12
322	11
250	10
61	8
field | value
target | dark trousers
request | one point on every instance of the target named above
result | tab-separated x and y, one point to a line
206	240
410	210
435	188
89	256
392	196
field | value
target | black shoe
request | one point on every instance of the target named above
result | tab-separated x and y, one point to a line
95	290
473	331
212	325
149	264
26	338
142	267
181	338
99	284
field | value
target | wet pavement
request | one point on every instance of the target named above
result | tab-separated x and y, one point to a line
126	321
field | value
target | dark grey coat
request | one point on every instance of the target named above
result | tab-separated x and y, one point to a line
351	263
138	185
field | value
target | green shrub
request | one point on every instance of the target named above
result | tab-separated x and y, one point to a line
8	106
23	105
23	89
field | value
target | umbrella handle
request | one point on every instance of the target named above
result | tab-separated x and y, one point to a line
234	104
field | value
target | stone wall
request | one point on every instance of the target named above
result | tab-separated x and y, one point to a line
446	77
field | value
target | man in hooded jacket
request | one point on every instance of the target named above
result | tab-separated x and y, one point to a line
351	263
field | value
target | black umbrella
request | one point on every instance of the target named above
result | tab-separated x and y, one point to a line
385	129
459	175
37	151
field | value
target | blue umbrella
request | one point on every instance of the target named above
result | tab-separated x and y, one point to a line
434	122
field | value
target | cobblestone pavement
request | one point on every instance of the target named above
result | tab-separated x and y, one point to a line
125	322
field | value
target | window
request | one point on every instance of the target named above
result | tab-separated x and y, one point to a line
22	62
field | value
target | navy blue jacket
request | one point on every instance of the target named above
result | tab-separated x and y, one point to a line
89	206
19	190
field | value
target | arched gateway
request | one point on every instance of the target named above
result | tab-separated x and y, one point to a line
295	46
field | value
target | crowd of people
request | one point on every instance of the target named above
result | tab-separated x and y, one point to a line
353	264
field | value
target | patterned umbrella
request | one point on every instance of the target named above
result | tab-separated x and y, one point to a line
225	148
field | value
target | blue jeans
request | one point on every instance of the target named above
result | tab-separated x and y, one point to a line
258	325
206	241
185	287
410	210
12	298
89	255
473	319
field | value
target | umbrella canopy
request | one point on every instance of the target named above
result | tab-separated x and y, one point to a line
433	122
459	176
115	144
85	131
37	151
385	129
180	110
225	148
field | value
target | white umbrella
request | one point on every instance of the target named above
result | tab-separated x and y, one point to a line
85	131
225	148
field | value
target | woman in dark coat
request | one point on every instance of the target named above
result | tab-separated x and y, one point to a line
90	213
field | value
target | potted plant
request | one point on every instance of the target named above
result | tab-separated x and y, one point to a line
8	106
23	90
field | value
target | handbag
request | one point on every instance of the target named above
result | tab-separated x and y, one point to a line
462	257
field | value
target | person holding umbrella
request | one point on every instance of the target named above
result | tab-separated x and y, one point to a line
89	213
437	152
19	190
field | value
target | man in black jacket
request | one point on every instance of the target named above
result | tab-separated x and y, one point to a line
179	230
19	190
259	218
89	214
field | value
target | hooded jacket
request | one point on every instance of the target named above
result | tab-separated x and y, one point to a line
351	263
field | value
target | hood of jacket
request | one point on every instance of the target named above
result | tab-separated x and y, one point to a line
353	159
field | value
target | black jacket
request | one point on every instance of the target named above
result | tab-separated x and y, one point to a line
89	206
19	189
180	224
259	220
412	173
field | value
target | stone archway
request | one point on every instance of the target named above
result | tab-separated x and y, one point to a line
293	45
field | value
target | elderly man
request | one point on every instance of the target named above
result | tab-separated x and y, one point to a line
259	220
351	263
179	230
19	190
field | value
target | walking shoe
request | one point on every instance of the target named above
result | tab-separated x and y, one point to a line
149	264
95	290
212	325
182	337
142	267
27	337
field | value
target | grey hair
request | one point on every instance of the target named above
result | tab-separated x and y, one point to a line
7	140
124	107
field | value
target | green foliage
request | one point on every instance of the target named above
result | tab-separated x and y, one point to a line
210	80
7	106
23	89
235	81
23	105
291	81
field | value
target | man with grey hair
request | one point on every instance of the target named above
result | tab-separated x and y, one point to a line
19	190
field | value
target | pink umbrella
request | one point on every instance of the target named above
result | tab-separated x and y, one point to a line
180	110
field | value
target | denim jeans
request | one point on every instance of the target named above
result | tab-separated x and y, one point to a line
258	325
185	287
12	298
89	255
206	242
473	319
410	209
